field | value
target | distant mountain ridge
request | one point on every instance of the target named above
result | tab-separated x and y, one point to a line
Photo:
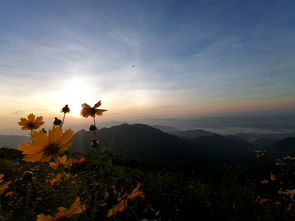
252	137
138	141
13	141
257	139
184	133
144	142
281	148
147	143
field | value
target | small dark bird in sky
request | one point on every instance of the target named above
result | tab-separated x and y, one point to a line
133	66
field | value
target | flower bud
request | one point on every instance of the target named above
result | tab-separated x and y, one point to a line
92	128
65	109
95	143
57	122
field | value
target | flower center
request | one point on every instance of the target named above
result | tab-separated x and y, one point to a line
51	149
92	111
31	125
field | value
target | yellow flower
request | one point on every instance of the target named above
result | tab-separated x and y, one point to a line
122	205
46	147
32	123
136	193
263	201
1	177
273	177
263	181
9	194
3	185
91	111
64	213
60	161
58	178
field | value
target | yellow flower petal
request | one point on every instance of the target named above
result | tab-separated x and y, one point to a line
9	194
272	177
29	148
263	181
97	104
136	193
4	186
66	137
55	134
91	111
120	207
31	123
64	213
60	161
59	178
47	146
262	201
75	208
31	117
39	138
99	112
42	217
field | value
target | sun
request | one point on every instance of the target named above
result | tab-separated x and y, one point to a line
75	93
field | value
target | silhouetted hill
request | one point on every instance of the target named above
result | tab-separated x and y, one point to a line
282	148
196	147
194	133
139	141
251	137
184	133
167	129
81	141
234	137
262	143
12	141
148	143
224	150
224	146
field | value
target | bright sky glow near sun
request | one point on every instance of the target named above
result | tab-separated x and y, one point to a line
190	57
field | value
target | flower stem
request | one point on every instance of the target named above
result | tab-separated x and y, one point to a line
63	120
32	136
94	123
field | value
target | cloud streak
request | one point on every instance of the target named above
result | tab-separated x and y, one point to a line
188	56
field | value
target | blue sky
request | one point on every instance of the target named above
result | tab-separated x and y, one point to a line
191	57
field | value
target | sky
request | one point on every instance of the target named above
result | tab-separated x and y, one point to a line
142	58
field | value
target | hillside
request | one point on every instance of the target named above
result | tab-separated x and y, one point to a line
148	143
282	148
139	141
12	141
184	133
196	147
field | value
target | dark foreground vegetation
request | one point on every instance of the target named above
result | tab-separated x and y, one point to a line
171	192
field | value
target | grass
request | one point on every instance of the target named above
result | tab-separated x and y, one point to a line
171	193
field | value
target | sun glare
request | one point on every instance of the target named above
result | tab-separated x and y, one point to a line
76	93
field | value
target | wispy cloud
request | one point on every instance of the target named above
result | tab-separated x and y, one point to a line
187	56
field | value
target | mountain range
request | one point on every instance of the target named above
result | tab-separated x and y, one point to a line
148	143
168	144
13	141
